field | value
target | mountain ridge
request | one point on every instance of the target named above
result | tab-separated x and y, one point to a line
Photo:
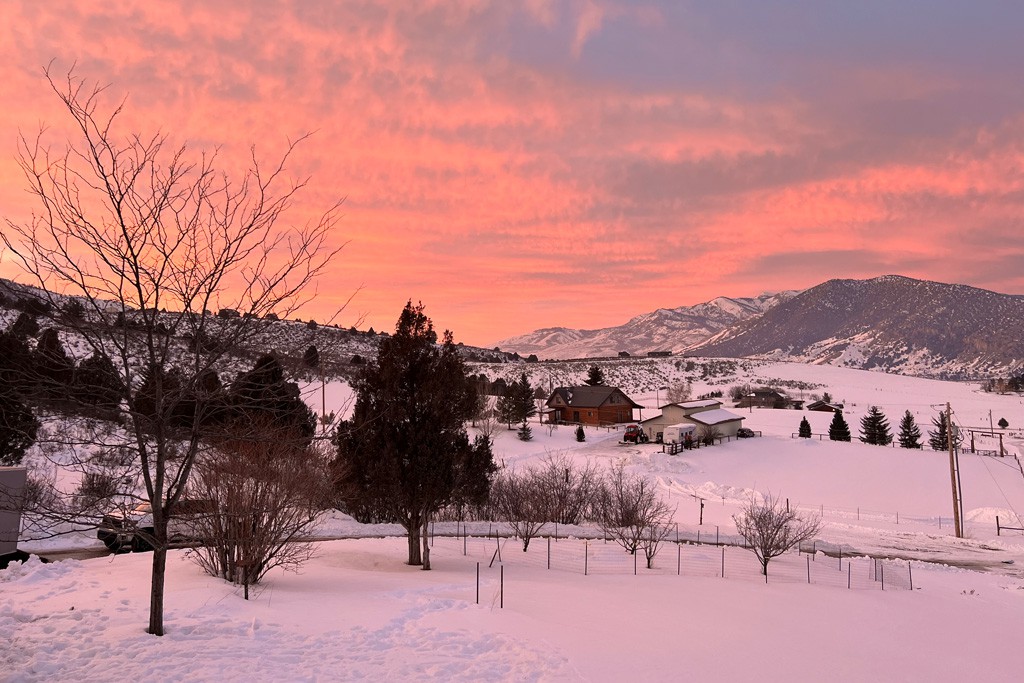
891	322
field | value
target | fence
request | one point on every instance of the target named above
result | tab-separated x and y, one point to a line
596	556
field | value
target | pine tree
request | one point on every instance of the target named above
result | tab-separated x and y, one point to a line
53	367
311	358
525	432
595	377
97	382
404	454
1003	424
263	395
525	406
18	427
839	430
937	438
910	434
805	429
506	406
581	435
874	428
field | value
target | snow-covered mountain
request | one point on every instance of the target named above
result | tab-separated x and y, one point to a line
674	329
892	323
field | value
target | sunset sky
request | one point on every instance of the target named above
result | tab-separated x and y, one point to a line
518	165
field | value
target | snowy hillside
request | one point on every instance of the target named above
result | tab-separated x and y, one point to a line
892	323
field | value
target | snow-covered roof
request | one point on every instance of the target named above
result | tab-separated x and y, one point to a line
714	417
703	403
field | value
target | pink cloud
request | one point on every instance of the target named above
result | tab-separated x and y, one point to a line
511	191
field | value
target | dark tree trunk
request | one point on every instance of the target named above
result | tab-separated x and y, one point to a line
425	537
156	593
413	529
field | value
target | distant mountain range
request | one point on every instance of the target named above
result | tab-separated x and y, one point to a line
893	323
662	330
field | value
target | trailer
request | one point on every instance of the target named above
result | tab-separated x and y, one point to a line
12	487
677	433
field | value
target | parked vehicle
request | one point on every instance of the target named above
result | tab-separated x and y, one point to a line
678	433
127	529
744	433
634	434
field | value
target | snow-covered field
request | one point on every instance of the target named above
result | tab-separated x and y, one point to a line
357	612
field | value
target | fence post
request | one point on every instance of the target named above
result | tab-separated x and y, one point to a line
586	556
478	583
716	535
501	590
465	541
679	559
723	561
808	569
634	561
882	565
698	536
998	530
840	558
897	518
910	573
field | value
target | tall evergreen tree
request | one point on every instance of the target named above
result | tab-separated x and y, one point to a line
404	453
839	430
938	438
910	433
52	366
805	429
874	428
595	377
525	405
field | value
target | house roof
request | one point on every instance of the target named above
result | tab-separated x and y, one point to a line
713	417
703	403
589	397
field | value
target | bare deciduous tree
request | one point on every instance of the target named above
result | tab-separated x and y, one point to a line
631	513
771	529
487	421
521	500
679	392
151	238
570	487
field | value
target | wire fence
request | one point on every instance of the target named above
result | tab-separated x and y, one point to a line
585	557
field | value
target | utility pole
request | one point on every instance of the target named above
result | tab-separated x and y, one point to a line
953	475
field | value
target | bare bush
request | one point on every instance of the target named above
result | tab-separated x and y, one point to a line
770	528
265	489
708	434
